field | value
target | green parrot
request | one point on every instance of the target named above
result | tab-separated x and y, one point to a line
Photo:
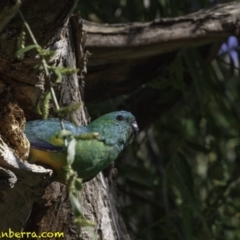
113	132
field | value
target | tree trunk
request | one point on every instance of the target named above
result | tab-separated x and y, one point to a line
23	184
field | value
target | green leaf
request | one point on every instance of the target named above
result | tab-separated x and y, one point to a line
71	151
64	70
28	48
68	71
46	101
197	147
69	109
185	170
64	133
76	206
87	136
46	53
187	217
181	175
58	74
78	184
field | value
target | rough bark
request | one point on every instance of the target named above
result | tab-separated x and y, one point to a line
23	183
20	182
100	205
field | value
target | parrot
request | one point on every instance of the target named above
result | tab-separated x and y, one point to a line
113	131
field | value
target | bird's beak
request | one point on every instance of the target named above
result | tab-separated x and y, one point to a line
135	127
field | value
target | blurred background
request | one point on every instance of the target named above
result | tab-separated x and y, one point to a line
180	179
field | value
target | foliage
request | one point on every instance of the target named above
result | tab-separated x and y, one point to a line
137	10
181	178
45	56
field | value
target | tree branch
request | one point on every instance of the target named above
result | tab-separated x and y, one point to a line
120	52
9	10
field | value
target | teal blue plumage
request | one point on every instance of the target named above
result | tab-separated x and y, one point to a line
115	131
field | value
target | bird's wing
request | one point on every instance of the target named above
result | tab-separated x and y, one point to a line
44	134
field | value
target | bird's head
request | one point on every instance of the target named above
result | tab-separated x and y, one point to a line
116	127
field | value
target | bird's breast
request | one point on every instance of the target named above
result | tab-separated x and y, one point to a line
56	160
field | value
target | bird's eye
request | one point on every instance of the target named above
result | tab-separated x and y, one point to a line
119	117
